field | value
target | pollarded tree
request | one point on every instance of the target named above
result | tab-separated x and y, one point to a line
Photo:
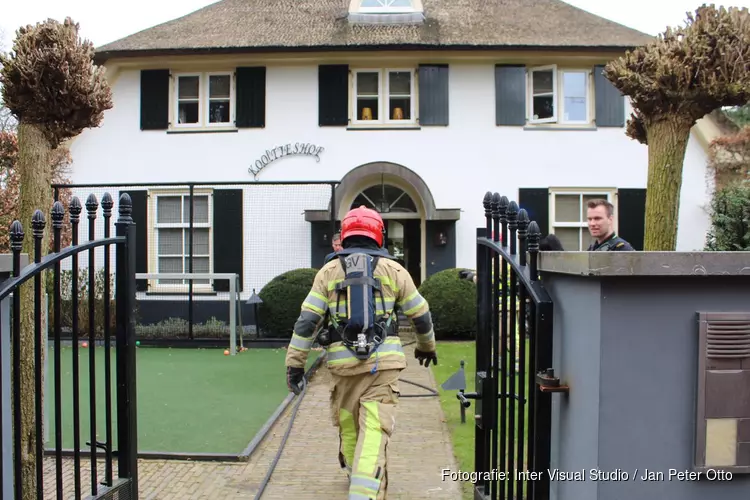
686	73
55	91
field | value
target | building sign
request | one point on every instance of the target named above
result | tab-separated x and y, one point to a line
296	149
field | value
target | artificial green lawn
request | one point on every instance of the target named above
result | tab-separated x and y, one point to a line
450	355
189	400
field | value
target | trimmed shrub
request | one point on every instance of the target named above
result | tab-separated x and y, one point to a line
453	304
282	298
730	219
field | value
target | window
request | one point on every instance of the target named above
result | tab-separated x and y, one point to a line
171	252
386	6
385	199
559	96
204	99
568	216
384	96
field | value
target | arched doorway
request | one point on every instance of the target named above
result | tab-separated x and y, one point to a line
402	220
408	208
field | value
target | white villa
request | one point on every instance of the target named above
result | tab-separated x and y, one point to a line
413	107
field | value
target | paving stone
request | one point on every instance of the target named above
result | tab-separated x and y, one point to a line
308	468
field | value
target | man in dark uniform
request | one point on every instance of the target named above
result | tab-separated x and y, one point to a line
601	226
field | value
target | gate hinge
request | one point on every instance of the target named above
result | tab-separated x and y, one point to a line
547	382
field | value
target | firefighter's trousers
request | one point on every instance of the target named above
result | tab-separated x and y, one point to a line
363	407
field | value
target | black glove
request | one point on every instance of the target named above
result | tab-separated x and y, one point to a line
425	357
293	378
465	275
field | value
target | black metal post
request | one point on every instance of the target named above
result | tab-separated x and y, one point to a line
512	218
127	432
16	242
58	214
107	204
190	268
91	205
37	224
495	356
522	224
503	349
75	216
533	236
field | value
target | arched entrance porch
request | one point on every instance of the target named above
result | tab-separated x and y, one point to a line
407	206
402	218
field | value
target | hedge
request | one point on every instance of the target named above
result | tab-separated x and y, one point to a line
282	299
453	304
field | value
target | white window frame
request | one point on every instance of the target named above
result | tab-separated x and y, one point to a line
555	93
384	9
384	97
609	194
587	90
203	100
155	226
558	95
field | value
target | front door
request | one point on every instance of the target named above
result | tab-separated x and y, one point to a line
403	240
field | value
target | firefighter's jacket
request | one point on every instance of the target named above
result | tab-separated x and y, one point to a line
398	289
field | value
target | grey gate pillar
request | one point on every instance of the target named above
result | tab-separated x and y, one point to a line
654	349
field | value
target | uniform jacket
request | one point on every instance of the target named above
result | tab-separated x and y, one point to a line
398	289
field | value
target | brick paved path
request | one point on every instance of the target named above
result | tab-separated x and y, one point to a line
308	469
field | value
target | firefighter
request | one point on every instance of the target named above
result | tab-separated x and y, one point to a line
365	390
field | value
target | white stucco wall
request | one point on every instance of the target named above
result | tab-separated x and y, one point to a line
458	163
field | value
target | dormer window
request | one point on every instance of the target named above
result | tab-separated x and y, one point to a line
386	6
385	11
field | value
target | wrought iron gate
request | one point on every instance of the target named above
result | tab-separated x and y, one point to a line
125	485
512	439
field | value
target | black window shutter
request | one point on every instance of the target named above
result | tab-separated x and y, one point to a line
631	216
251	97
140	218
228	232
154	99
433	94
610	103
333	95
510	94
536	203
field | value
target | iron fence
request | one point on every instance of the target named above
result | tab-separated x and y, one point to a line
124	486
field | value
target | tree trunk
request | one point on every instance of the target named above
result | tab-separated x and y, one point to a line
667	141
35	193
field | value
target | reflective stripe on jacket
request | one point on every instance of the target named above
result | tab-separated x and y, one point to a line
398	288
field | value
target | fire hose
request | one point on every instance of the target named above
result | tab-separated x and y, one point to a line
304	385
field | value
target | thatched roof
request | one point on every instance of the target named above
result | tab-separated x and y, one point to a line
286	25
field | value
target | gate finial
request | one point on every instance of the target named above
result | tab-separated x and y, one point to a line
512	213
75	210
533	237
91	205
37	224
16	236
125	209
58	214
523	224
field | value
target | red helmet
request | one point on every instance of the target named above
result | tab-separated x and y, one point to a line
363	221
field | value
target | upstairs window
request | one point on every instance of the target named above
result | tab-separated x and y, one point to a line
384	96
559	96
204	100
386	6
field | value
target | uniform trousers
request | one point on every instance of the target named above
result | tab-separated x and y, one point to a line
363	407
